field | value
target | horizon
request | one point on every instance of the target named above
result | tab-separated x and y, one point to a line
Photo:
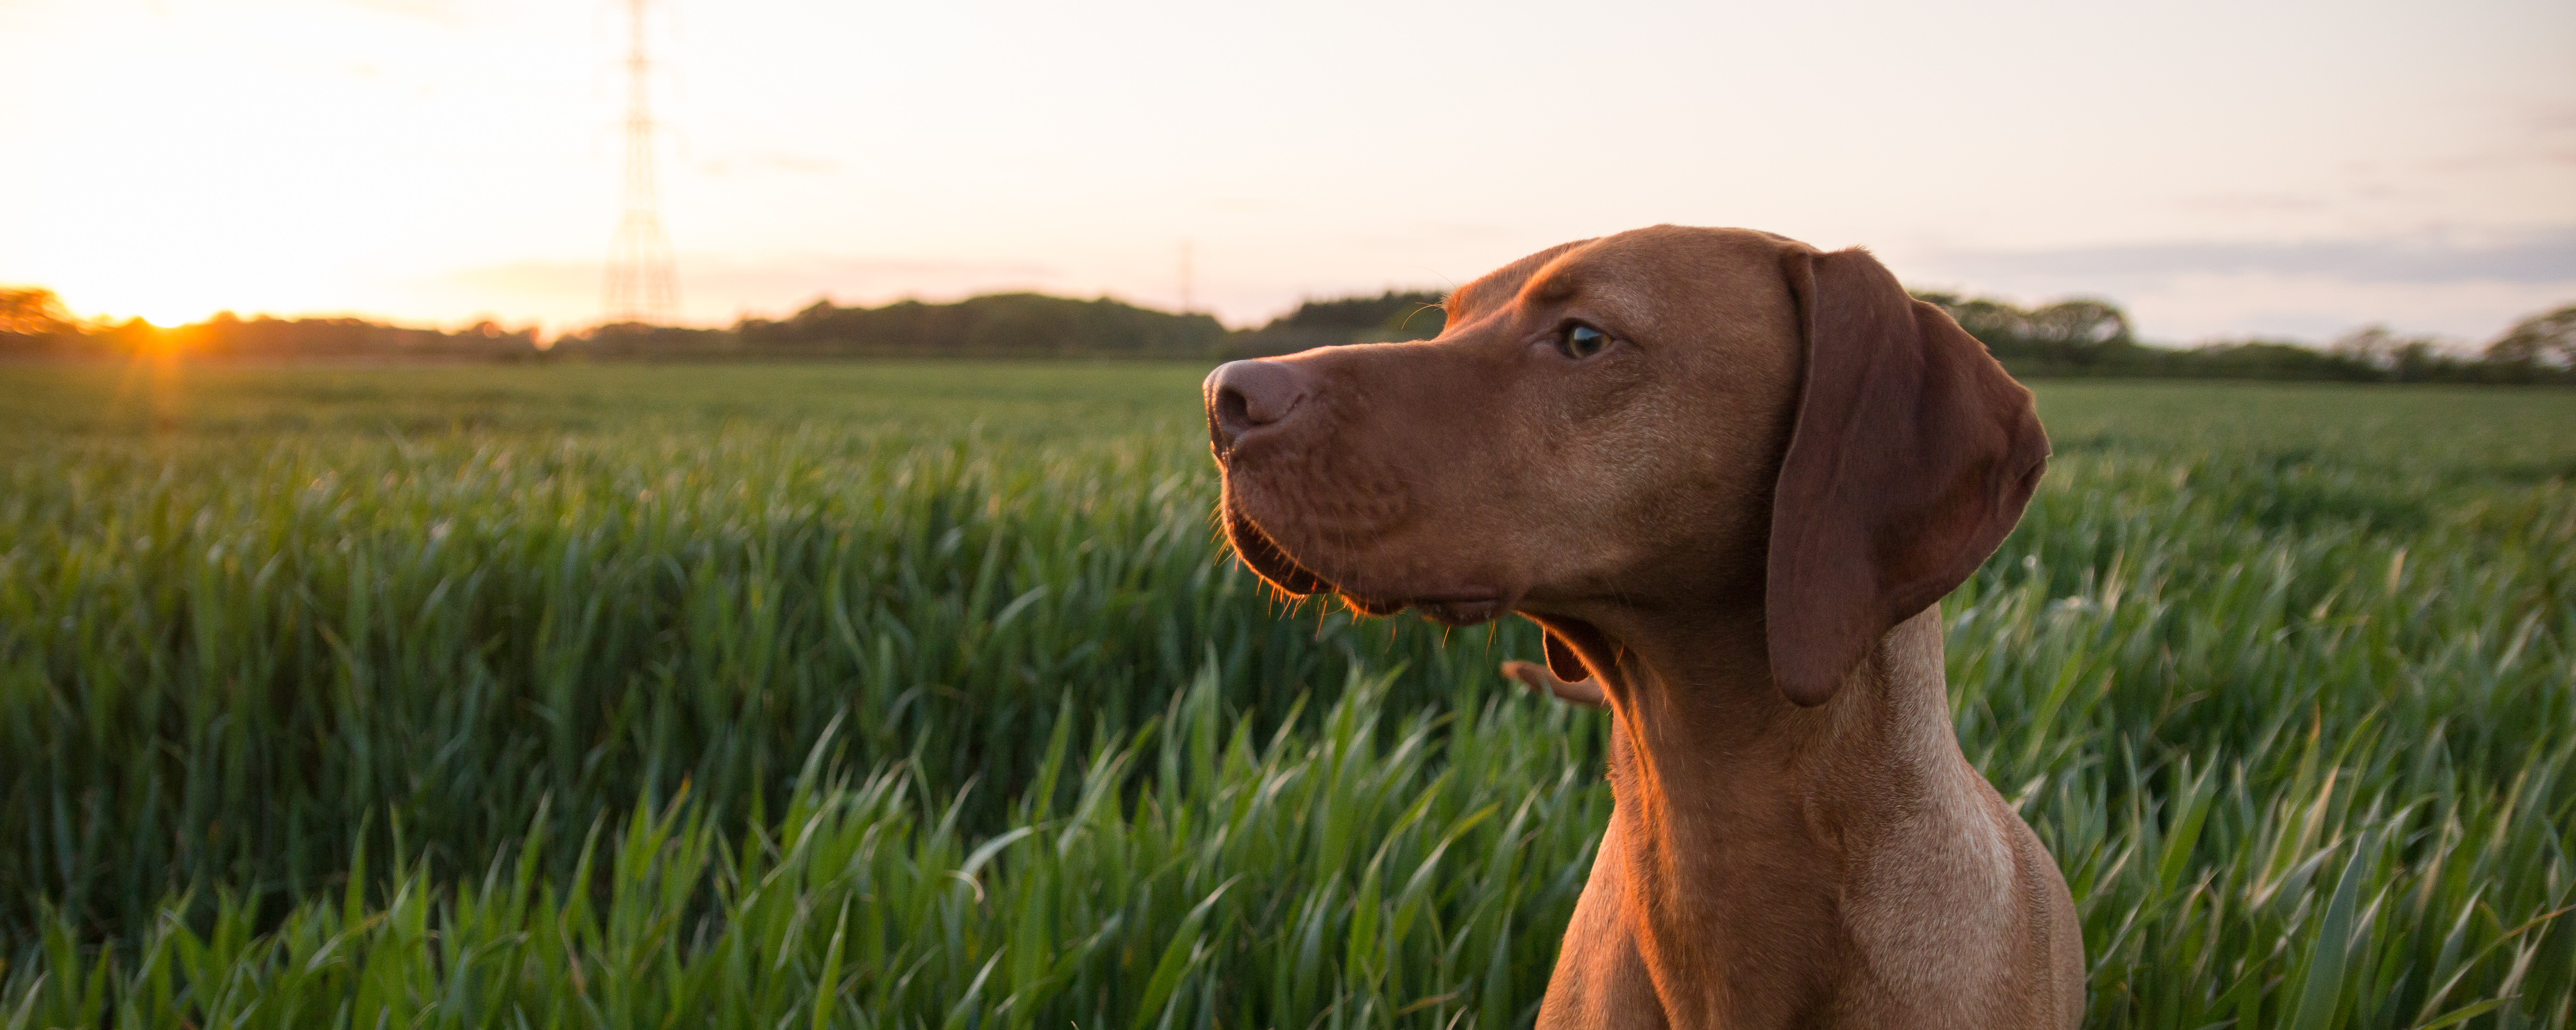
2219	170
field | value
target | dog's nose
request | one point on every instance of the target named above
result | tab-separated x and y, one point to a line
1245	395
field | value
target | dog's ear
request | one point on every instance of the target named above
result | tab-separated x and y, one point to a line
1912	456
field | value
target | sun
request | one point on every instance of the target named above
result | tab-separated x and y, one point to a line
169	305
172	315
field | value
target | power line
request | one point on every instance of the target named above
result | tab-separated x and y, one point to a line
642	284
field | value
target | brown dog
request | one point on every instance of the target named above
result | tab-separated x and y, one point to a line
1732	476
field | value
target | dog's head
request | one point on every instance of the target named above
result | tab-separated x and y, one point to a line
1672	417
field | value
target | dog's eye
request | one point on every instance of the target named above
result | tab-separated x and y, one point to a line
1580	341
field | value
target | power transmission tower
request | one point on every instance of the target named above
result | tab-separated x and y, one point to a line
1185	278
642	285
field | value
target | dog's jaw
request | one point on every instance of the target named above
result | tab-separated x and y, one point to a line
1263	555
1261	552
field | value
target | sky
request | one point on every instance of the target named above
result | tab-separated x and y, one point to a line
2221	169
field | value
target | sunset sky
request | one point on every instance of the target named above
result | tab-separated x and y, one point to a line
2221	168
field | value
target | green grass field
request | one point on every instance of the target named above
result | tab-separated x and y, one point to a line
924	696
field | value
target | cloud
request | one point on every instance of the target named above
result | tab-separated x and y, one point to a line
2205	307
1244	205
2243	203
770	161
2460	286
442	12
2535	257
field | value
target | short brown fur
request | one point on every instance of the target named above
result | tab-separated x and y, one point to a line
1735	523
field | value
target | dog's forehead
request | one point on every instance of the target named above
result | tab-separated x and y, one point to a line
1634	274
1497	288
1664	260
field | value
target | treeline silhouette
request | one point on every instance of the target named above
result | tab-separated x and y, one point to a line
2092	337
1000	325
1390	316
33	323
2078	337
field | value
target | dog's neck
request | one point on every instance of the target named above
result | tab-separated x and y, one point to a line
1739	810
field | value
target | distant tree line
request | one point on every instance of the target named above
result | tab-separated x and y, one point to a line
1389	316
2078	337
33	323
2091	337
1000	325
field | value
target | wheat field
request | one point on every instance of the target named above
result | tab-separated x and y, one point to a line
884	695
